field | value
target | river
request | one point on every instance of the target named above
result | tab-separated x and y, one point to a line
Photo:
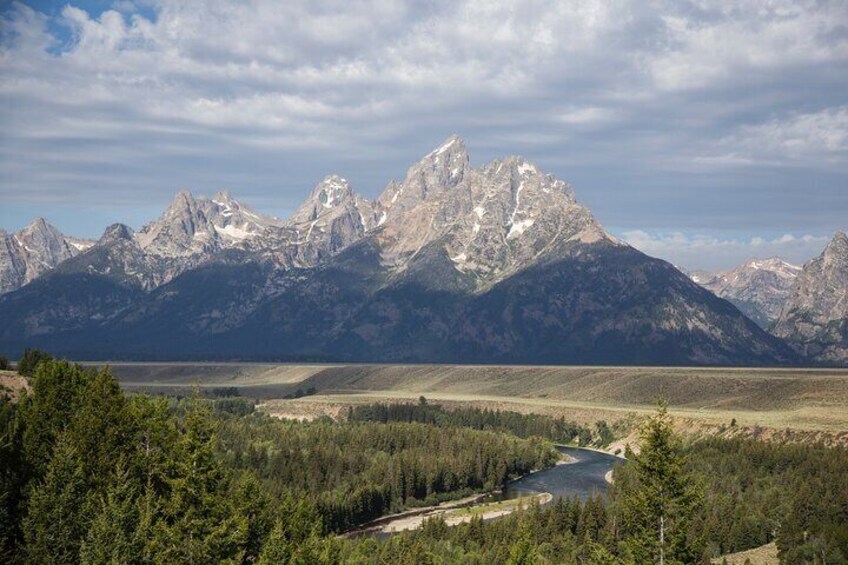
582	478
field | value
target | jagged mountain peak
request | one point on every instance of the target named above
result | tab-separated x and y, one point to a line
231	218
837	246
519	174
175	232
332	190
223	195
491	223
492	264
198	225
440	170
500	217
183	199
39	233
758	287
39	224
331	193
330	220
37	248
834	258
116	232
453	143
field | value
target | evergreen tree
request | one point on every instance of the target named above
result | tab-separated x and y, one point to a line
48	410
659	504
277	549
59	510
114	536
12	478
296	536
155	435
253	504
198	522
30	360
101	427
523	551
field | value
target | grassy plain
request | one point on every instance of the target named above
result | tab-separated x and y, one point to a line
808	404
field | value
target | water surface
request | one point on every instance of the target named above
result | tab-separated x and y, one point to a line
582	478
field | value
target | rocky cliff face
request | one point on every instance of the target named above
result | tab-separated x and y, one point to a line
331	219
194	226
438	172
488	222
34	250
815	316
759	288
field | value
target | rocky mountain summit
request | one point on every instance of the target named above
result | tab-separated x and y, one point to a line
498	263
32	251
489	222
814	318
195	226
759	287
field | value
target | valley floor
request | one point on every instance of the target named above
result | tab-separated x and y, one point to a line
785	404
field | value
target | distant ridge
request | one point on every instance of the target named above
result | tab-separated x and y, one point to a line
759	287
814	318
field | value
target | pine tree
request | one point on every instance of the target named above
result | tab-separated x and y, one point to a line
48	410
297	536
12	478
198	522
252	503
101	427
658	505
277	548
523	551
155	435
114	535
59	510
30	360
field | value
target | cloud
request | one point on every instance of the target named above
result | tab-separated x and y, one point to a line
694	252
821	135
703	107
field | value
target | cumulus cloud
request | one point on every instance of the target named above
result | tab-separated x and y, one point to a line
695	252
677	102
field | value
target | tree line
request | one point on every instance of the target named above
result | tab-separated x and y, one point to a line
556	429
358	472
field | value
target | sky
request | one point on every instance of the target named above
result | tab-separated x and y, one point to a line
705	133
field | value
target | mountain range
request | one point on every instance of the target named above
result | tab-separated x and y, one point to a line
492	264
758	287
806	306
